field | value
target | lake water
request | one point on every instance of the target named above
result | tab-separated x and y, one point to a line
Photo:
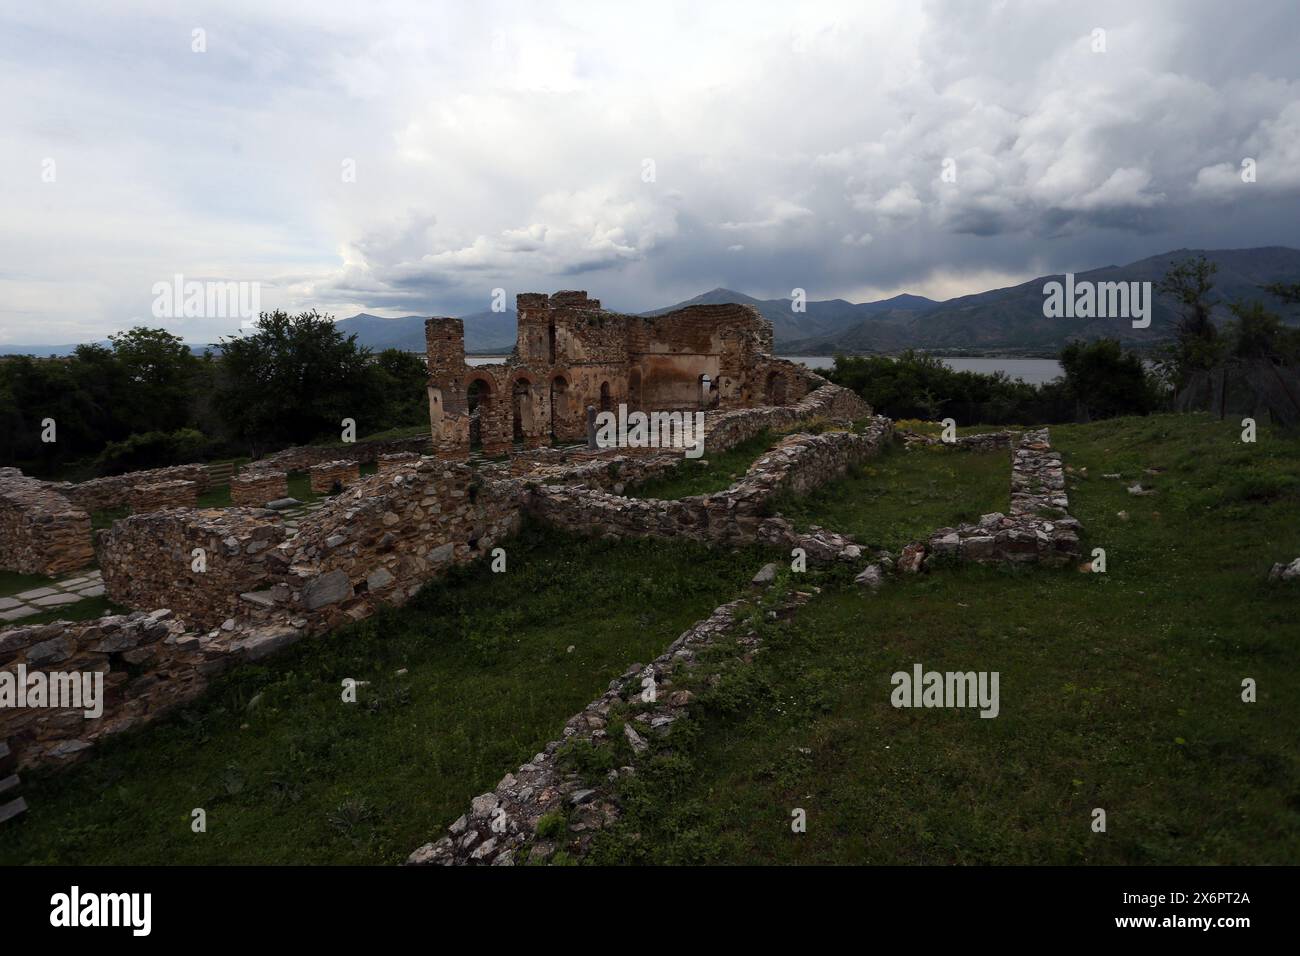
1033	371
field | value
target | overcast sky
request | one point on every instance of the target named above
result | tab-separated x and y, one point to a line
503	145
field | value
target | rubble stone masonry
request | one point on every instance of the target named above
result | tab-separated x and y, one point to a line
164	494
254	487
329	474
114	491
41	532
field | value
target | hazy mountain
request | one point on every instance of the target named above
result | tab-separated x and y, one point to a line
1008	319
822	319
1012	318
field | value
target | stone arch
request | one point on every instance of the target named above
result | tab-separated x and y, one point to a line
706	390
478	402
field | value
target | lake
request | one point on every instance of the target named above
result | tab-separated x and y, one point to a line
1033	371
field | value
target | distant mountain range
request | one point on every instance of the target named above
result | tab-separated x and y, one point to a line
1001	320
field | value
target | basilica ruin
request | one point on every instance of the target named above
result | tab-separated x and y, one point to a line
571	355
206	589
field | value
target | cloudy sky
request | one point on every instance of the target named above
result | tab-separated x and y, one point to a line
410	158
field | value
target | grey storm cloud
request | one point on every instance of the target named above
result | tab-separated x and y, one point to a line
413	158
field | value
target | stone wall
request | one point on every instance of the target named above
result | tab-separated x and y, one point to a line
148	560
114	491
329	475
164	494
736	515
389	463
41	532
1038	526
255	487
984	441
302	457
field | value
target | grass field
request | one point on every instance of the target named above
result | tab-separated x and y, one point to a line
1119	690
289	773
703	476
902	495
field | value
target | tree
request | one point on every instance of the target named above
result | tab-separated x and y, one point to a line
1106	380
293	380
1190	282
403	380
159	373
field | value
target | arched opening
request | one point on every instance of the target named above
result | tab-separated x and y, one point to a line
522	409
559	405
550	342
706	391
604	397
634	388
478	397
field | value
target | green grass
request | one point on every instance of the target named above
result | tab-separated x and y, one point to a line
902	495
11	582
84	610
716	471
289	774
1118	690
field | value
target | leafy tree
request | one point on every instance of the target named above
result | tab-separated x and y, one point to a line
402	378
159	377
293	380
1107	381
1190	283
1258	333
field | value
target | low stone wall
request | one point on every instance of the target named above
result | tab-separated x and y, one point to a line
725	429
736	515
1038	526
149	560
40	530
151	662
254	487
302	457
328	474
390	463
377	543
984	441
114	491
164	494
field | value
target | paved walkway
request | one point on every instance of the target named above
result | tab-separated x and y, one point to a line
58	594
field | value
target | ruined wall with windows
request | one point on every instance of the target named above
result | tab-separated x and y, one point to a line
570	354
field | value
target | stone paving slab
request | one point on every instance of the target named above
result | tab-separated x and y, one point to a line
79	587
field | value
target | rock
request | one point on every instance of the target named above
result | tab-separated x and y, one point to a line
766	574
909	562
1137	489
636	740
379	579
329	588
1285	572
871	577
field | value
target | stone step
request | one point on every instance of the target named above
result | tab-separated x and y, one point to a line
9	783
8	759
12	809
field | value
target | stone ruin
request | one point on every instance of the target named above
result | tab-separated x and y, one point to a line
570	354
260	587
41	531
